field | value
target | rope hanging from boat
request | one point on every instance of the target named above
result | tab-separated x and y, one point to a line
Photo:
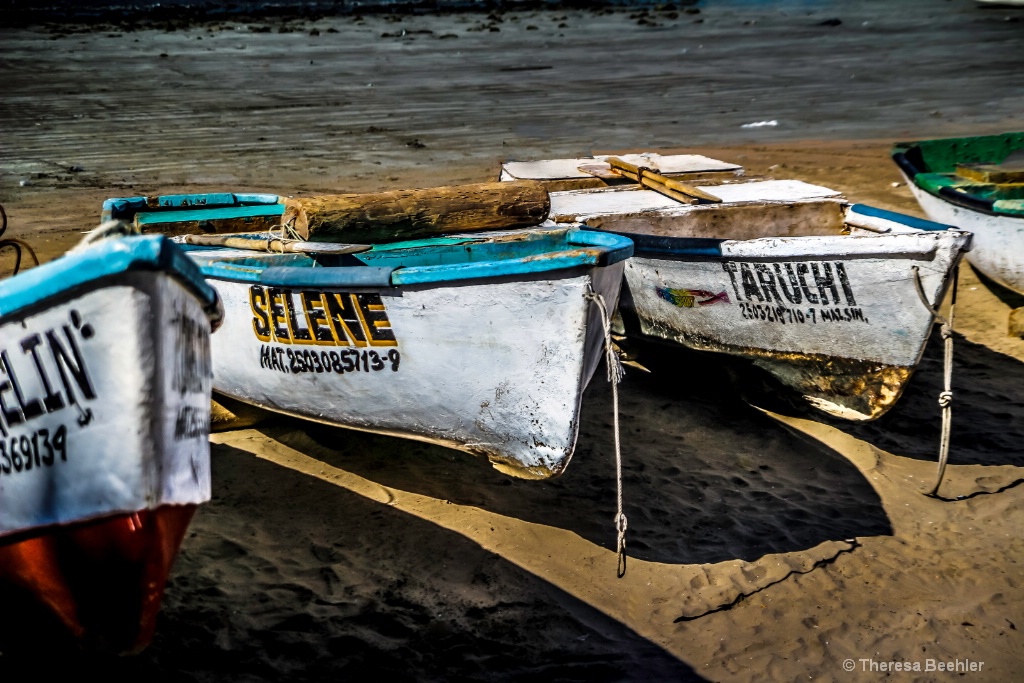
615	373
946	396
15	244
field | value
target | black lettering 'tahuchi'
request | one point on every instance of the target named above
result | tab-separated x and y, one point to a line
793	283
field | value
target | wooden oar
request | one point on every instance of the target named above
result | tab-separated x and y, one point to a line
274	244
655	181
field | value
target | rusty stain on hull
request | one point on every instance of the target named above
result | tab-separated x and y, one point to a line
849	388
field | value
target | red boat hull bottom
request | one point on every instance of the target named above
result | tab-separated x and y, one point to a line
94	585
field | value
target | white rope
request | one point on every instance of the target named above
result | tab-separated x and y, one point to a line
946	395
614	373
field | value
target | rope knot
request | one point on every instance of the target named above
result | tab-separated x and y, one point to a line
945	399
615	371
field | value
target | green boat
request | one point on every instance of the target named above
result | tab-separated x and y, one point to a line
977	184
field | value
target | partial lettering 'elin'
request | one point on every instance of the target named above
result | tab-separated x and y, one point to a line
321	318
68	372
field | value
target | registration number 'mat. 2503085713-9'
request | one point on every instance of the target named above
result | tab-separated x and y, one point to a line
313	319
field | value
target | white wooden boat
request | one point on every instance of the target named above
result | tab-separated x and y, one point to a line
104	415
482	342
976	183
819	293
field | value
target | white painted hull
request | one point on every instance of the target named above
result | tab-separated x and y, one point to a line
104	457
785	274
117	418
492	367
877	316
998	240
861	311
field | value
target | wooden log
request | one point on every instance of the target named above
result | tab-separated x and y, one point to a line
412	214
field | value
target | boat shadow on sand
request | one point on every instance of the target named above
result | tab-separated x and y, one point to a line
706	477
988	412
285	576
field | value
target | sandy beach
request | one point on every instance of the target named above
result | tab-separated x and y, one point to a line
765	542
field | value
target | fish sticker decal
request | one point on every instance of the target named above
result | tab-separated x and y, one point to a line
691	298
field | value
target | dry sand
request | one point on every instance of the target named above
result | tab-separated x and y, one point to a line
763	545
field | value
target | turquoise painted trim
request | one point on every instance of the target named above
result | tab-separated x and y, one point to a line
430	242
620	247
902	219
215	199
429	261
125	208
196	200
256	198
159	217
225	270
493	269
109	257
122	208
326	277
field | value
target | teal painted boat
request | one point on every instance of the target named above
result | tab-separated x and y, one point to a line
483	342
977	184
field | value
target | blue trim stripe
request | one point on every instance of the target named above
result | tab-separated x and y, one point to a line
185	216
125	208
104	259
196	200
694	247
491	269
903	219
283	276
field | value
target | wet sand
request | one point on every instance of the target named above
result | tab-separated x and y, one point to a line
765	543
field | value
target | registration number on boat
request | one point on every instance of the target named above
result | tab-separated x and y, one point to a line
39	449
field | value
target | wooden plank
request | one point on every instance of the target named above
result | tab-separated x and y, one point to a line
992	173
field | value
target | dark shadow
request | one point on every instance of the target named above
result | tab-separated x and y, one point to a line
706	477
1007	296
284	577
988	409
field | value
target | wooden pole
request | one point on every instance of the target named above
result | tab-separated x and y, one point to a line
659	183
412	214
252	242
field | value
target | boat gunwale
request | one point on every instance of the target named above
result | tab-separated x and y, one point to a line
584	248
712	247
91	268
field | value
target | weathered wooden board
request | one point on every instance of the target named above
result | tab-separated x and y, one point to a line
583	204
558	169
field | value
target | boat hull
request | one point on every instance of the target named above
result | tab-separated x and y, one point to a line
836	319
104	455
998	240
494	367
